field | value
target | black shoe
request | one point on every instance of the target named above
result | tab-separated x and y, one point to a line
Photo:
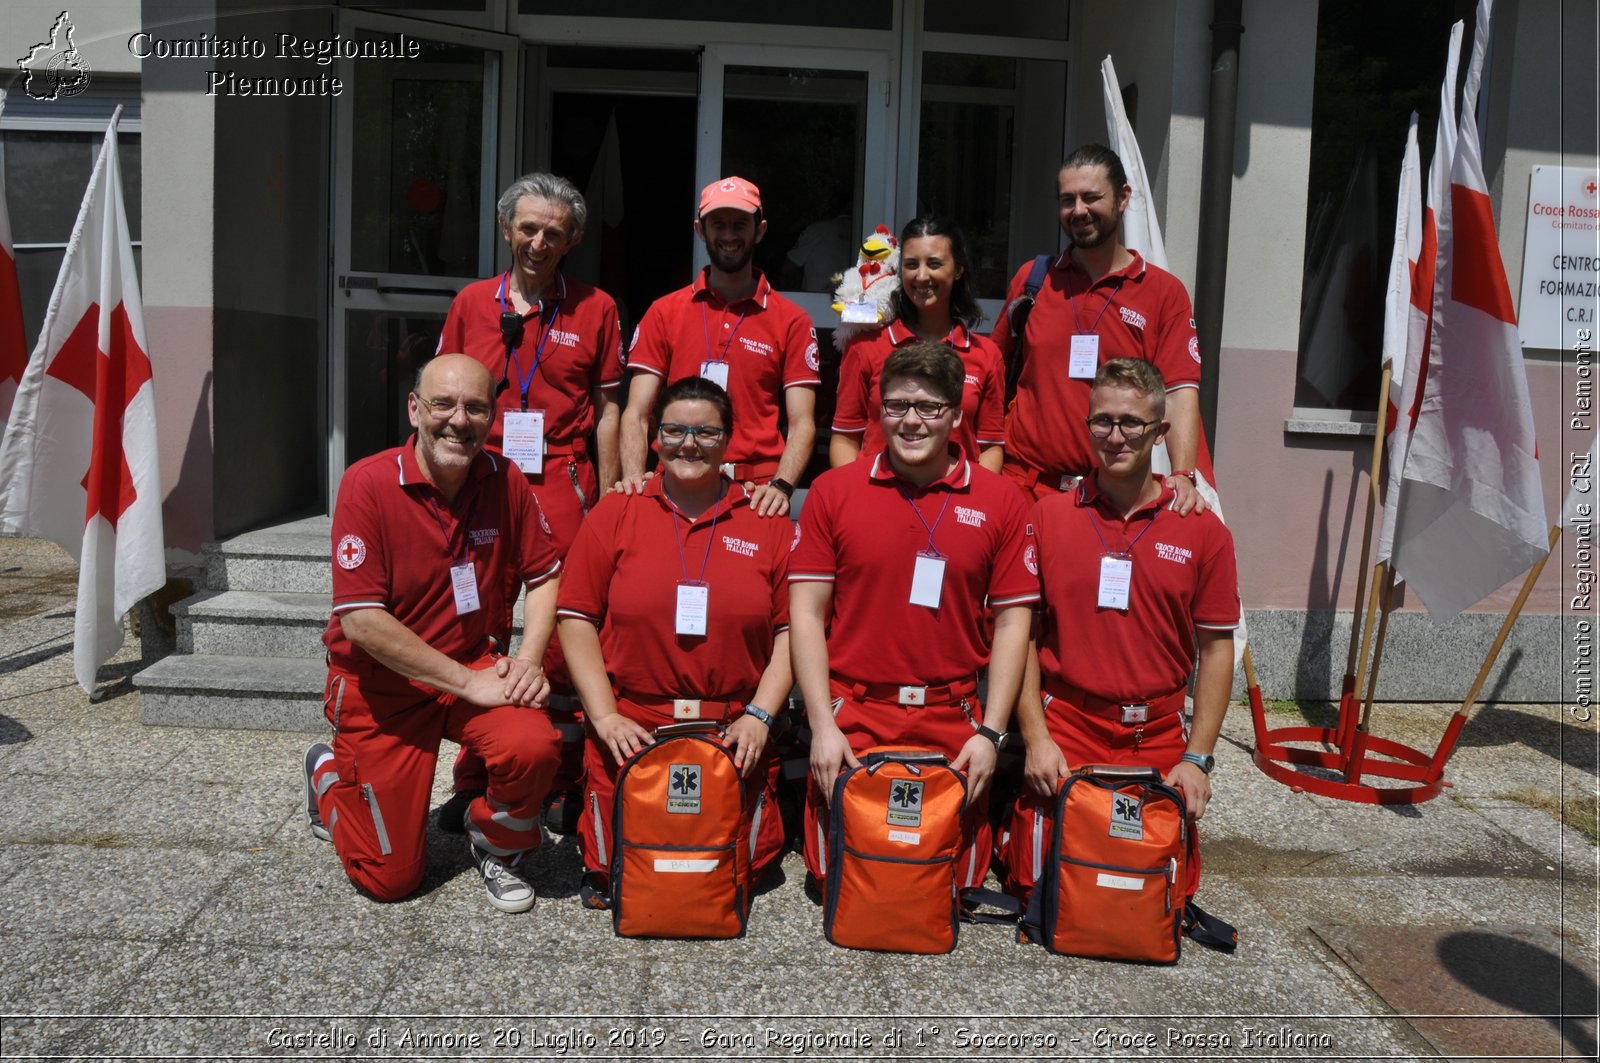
561	812
453	813
813	889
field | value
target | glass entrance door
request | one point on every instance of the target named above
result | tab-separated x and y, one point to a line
421	148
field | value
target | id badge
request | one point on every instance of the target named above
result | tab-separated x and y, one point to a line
927	580
716	372
860	313
694	599
1085	357
464	585
523	439
1116	576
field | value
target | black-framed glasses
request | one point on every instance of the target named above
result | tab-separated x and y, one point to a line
706	435
926	409
444	409
1133	429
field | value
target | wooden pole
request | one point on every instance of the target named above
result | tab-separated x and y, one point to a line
1505	628
1356	626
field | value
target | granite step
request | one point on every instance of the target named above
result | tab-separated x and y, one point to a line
289	558
231	691
253	623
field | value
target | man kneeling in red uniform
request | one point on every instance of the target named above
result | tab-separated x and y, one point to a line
431	541
1129	587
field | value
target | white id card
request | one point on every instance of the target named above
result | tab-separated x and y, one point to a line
927	580
860	313
1116	575
693	603
464	584
1085	357
716	372
524	439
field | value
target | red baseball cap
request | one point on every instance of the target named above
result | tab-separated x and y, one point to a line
732	192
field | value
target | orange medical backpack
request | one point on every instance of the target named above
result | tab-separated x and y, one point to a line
681	868
894	829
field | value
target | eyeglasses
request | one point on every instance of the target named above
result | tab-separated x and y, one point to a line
443	409
1133	429
707	435
926	409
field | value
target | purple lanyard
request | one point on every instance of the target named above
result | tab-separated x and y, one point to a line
711	535
538	352
1094	329
1129	551
705	329
449	540
930	529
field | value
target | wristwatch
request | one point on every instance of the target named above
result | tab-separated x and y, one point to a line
759	713
1204	761
999	738
782	485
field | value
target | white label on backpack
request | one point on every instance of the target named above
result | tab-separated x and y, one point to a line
909	837
683	789
1127	818
905	803
686	867
1110	882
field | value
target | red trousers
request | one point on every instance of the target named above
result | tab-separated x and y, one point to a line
944	728
557	489
374	794
595	839
1090	738
1036	485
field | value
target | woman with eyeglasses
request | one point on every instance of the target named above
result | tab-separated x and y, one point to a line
674	606
936	301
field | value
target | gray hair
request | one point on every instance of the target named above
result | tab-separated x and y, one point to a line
546	186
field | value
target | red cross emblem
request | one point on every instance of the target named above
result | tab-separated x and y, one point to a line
1590	187
351	552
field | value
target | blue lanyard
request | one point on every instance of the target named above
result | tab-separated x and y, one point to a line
1094	329
705	330
538	352
1129	551
930	529
449	540
711	535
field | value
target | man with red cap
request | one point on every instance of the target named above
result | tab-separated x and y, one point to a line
432	542
730	327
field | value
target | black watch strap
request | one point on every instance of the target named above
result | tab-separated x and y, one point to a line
997	737
783	485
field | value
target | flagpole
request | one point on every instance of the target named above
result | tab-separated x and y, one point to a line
1356	748
1362	628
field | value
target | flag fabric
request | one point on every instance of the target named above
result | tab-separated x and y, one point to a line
1141	232
1470	515
13	345
1407	248
1579	507
79	461
1405	386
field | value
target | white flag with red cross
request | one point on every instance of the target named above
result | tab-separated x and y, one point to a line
79	463
1470	515
13	346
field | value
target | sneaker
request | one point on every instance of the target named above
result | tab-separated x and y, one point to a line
503	881
453	813
595	892
313	813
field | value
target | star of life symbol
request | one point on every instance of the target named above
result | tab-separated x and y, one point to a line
1127	817
54	69
683	789
905	803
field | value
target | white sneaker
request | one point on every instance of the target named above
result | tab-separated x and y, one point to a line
503	881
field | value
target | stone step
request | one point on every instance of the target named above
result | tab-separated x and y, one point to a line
253	623
289	558
252	693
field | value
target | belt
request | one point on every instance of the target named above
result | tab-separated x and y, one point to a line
576	448
943	694
1030	477
1124	711
745	471
688	708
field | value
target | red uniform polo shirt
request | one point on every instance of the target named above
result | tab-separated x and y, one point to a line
577	347
860	531
623	574
767	341
983	398
1140	311
395	539
1184	577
